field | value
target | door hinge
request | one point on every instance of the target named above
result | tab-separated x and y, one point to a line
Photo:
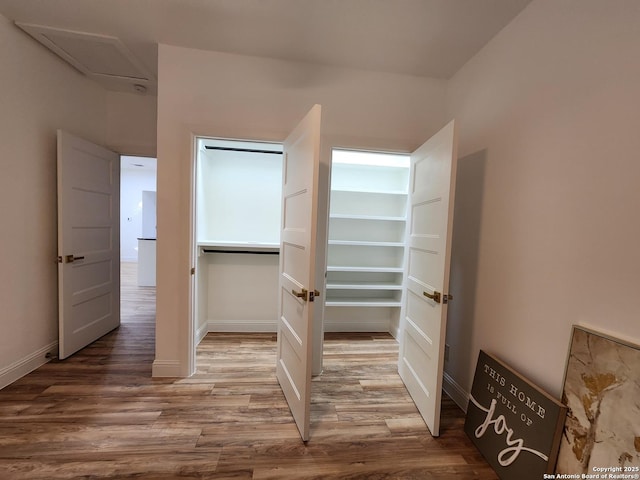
193	270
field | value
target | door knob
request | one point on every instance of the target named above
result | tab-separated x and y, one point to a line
302	294
435	297
72	258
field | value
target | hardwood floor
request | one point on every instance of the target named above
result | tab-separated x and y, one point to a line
99	414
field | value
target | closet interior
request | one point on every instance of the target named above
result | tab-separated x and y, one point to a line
238	210
365	256
238	202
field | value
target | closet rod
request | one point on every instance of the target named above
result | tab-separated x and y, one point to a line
244	252
247	150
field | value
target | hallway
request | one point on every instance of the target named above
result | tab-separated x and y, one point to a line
99	414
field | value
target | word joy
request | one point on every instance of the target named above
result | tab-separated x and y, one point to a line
499	424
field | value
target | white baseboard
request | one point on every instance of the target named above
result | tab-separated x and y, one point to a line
242	326
201	332
166	368
458	394
370	326
28	364
394	331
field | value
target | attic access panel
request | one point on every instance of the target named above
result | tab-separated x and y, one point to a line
103	58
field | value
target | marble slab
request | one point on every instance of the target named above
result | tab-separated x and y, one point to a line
602	390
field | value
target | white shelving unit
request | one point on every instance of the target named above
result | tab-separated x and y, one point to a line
368	205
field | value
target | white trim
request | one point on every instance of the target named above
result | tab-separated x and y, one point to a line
357	326
242	326
167	368
458	394
201	332
394	331
28	364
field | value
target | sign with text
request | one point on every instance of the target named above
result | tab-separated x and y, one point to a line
515	425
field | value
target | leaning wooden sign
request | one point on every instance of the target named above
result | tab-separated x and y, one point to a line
515	425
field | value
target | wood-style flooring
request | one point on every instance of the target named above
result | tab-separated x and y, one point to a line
99	414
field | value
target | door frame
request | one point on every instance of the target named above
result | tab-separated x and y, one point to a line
400	152
193	250
322	232
354	146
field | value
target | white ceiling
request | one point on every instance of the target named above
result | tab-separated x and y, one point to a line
431	38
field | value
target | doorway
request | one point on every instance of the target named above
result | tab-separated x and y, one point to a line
421	254
367	225
237	235
138	177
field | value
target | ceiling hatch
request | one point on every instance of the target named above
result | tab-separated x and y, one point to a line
101	57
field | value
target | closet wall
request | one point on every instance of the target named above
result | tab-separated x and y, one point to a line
235	96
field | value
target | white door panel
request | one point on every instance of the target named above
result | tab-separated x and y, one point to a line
88	242
297	266
424	310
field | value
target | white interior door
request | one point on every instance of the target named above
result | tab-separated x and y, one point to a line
424	310
88	242
297	266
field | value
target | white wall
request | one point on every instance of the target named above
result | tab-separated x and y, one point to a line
546	230
242	294
40	93
233	96
132	183
131	123
239	196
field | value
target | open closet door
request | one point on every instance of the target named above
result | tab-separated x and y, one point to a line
424	309
297	266
88	242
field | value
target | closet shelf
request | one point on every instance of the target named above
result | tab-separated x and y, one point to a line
375	218
363	302
363	286
367	223
366	191
362	269
363	243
